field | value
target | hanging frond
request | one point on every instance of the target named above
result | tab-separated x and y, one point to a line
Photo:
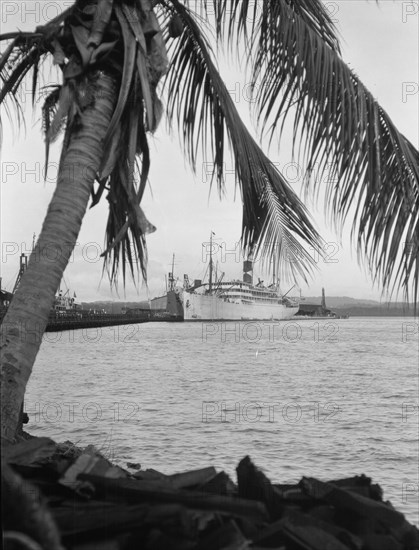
293	53
242	23
375	169
200	103
24	52
49	110
22	55
127	224
125	40
137	110
294	56
287	253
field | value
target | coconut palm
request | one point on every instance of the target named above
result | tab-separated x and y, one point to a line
112	54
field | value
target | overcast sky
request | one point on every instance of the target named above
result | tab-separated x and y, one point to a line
379	43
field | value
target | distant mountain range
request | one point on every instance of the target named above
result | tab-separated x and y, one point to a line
342	305
357	307
341	301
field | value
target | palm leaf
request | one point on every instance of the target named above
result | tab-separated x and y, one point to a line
100	22
287	253
130	52
126	145
23	54
245	22
49	110
132	19
293	52
375	168
26	60
204	111
91	37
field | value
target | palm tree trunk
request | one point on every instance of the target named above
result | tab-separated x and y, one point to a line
27	316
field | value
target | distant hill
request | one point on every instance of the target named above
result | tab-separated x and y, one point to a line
340	301
376	311
357	307
114	307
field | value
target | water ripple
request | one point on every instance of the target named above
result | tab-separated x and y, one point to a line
173	400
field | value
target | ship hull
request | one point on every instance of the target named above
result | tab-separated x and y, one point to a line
202	307
170	303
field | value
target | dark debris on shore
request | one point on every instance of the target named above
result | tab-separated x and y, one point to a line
61	497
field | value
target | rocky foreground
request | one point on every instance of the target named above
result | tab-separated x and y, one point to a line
59	496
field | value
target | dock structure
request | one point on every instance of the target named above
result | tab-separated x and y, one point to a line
93	321
84	320
316	310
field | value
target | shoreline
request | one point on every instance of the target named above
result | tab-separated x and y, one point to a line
82	496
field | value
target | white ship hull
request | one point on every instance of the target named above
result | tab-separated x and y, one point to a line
206	307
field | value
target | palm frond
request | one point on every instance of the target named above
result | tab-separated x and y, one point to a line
201	105
293	52
124	40
287	253
375	170
18	59
130	53
23	53
126	144
127	225
49	110
245	22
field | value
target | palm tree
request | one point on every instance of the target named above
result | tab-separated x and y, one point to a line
112	55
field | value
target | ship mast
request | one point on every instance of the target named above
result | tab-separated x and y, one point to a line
172	282
172	275
210	264
22	268
273	271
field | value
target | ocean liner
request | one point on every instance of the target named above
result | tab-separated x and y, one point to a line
235	300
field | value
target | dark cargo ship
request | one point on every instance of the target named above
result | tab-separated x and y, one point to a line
167	307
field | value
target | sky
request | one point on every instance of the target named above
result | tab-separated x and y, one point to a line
380	43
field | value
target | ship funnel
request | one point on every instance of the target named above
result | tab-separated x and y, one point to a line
248	271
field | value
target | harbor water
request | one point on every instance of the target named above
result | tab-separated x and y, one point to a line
326	398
